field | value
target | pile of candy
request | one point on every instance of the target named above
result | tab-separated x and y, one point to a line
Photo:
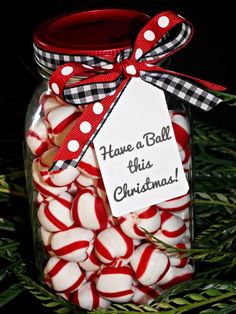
94	258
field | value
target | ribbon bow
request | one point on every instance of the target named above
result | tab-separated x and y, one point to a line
105	81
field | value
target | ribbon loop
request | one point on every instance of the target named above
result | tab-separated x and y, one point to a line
162	36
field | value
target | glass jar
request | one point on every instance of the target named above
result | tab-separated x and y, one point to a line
80	247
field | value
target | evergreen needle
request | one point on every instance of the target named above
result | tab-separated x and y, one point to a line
197	201
15	193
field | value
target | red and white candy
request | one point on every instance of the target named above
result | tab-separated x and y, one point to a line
184	214
46	238
148	218
175	258
63	276
115	284
173	229
73	189
79	272
85	181
40	199
91	264
73	244
88	210
113	247
171	225
181	129
65	295
43	187
101	189
176	204
88	298
60	121
186	158
145	294
91	275
176	275
37	138
89	164
149	264
49	101
55	178
117	265
55	215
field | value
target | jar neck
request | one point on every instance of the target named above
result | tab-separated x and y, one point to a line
43	71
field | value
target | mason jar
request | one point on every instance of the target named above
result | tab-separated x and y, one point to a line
83	252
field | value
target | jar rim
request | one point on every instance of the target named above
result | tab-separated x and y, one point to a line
97	32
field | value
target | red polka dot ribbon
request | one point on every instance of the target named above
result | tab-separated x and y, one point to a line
105	81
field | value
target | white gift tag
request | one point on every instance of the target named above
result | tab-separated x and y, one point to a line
137	151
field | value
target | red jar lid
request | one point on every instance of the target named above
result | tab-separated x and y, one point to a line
97	32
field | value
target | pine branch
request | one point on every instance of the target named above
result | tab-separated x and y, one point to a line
6	225
9	250
200	293
10	294
216	207
5	271
14	193
218	232
216	199
48	299
9	182
214	158
209	135
213	271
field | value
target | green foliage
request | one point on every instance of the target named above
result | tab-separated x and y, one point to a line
9	249
48	299
214	158
10	293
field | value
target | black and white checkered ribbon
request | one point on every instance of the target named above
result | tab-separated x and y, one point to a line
162	36
181	87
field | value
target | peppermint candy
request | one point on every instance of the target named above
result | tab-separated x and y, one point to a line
181	129
121	290
88	210
88	298
149	264
148	218
63	276
73	244
37	138
60	121
55	215
113	247
146	294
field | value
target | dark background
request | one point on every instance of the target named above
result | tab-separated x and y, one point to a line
210	55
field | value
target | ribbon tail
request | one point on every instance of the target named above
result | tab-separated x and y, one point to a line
85	130
207	84
183	89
